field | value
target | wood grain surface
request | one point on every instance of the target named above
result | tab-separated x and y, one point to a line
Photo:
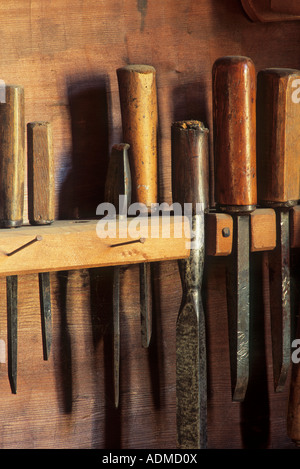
65	54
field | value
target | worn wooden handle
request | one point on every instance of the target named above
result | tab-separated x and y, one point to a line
278	137
190	173
12	134
138	101
234	120
41	204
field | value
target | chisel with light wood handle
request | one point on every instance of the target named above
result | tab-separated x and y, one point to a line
190	178
12	154
138	101
41	207
234	127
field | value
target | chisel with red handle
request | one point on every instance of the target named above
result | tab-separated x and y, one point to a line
234	128
138	101
278	171
12	155
190	179
41	207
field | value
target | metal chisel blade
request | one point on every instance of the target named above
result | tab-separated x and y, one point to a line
146	303
239	307
45	301
12	329
116	333
280	285
191	373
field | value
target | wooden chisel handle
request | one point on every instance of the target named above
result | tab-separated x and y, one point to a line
138	101
12	154
190	186
41	202
278	123
234	108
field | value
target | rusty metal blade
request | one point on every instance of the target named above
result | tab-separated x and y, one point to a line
46	320
12	329
280	301
238	291
191	374
146	303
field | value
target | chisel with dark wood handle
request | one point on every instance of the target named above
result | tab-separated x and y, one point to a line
278	171
12	154
41	207
118	183
190	180
138	101
234	120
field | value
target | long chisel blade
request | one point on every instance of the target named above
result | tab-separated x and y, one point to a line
118	185
45	301
116	334
191	382
280	301
12	329
238	278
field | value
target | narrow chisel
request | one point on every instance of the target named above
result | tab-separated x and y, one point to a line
278	170
12	154
41	208
138	101
234	110
118	183
190	186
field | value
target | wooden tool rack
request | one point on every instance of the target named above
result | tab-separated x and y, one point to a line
65	55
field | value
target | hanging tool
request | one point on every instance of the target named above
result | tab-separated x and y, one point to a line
12	132
138	101
234	100
41	207
190	178
278	170
118	183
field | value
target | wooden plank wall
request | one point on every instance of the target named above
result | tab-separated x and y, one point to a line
65	54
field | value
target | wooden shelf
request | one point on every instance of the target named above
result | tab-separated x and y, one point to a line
74	244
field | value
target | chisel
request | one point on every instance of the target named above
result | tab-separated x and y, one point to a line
12	154
278	172
138	102
118	183
234	128
190	178
41	208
